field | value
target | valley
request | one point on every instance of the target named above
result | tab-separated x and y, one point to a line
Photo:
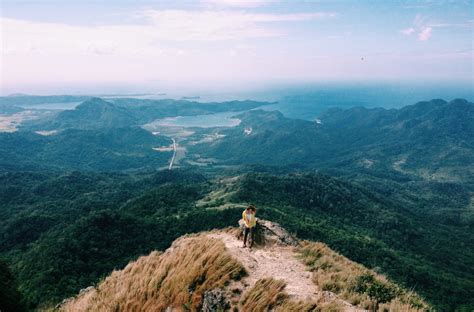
143	142
390	189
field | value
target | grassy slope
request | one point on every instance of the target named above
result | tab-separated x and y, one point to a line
180	277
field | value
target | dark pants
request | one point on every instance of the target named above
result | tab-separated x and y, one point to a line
246	233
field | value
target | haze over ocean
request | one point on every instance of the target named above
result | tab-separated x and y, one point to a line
58	47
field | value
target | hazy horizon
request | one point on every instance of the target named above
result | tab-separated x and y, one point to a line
52	47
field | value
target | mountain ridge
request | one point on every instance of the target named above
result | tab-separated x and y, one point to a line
426	140
274	275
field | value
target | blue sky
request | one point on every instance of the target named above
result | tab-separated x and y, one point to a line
65	45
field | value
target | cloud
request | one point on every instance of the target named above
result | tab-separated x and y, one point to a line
165	44
209	25
236	3
425	34
419	26
424	28
155	28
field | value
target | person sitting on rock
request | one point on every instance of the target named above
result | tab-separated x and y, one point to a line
248	215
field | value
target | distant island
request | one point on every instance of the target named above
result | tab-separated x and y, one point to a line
190	97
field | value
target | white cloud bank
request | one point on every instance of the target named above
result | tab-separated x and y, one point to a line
20	36
162	44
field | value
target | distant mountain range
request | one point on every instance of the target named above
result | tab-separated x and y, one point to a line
96	113
92	114
434	140
422	154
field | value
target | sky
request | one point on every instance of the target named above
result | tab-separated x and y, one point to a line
79	46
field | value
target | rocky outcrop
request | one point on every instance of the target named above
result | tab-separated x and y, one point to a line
270	233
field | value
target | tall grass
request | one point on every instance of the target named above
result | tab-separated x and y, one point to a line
335	273
269	295
175	279
178	278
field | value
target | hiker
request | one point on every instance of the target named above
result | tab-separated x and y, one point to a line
248	215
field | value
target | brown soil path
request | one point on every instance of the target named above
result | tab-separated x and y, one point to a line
280	263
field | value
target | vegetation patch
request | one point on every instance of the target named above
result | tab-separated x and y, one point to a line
177	279
355	283
268	295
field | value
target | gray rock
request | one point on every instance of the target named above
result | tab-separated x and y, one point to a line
215	301
271	233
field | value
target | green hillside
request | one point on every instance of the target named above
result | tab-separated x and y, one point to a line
421	155
390	189
105	150
433	140
58	230
96	113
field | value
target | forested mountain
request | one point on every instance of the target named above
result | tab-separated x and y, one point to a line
97	113
91	114
391	189
59	228
422	155
105	150
429	139
10	298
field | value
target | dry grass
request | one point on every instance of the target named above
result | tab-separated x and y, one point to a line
269	295
176	279
335	273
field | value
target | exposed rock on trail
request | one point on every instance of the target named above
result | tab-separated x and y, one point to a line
269	233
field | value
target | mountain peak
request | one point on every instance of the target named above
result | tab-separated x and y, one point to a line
210	271
95	101
95	113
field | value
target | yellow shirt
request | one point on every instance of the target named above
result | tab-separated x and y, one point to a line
249	219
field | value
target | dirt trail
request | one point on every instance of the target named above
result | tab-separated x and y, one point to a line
278	262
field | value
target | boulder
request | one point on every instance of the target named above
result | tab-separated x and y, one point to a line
267	233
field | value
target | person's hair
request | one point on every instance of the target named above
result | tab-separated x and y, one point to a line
252	207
